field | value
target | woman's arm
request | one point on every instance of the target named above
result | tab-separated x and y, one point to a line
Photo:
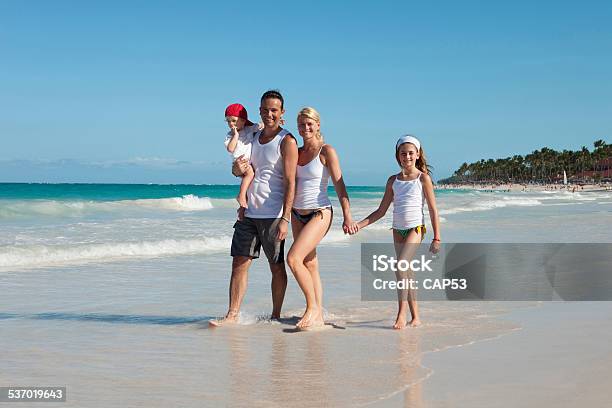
332	162
382	208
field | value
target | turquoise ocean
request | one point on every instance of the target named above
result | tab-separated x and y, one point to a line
46	225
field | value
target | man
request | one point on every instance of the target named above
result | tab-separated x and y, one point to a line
265	222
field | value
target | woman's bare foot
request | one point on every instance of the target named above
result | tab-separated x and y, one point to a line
309	318
319	320
230	317
317	323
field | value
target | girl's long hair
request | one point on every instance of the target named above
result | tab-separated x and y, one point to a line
311	113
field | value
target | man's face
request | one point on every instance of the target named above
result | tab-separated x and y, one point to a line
271	112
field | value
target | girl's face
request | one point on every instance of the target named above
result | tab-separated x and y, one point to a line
307	127
235	122
408	155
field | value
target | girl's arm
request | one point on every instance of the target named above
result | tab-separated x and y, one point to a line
333	165
433	210
232	141
382	208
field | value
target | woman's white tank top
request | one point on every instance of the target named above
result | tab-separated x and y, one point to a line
311	185
408	203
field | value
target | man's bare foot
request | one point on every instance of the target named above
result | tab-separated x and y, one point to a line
309	318
230	318
416	322
242	200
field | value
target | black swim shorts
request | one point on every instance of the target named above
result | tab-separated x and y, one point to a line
251	234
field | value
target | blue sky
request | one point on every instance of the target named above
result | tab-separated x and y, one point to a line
135	91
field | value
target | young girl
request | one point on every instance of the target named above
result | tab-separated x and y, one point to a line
238	143
408	191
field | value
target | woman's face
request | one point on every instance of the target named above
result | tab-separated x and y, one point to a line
408	155
307	127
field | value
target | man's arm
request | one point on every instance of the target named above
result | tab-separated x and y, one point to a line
289	153
240	166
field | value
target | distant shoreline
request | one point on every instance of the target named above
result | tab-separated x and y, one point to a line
512	187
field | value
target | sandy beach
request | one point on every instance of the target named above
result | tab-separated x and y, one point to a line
559	357
113	302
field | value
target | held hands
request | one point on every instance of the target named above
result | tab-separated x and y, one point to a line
350	227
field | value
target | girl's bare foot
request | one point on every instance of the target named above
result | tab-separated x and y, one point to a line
415	322
400	320
400	323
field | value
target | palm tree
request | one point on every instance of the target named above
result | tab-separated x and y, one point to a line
541	165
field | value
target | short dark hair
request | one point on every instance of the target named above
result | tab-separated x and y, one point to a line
273	94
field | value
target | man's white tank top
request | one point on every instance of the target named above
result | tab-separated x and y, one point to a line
311	185
408	203
266	194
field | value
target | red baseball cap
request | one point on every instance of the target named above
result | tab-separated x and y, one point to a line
236	109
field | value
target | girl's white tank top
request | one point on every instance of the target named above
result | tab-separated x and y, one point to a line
408	203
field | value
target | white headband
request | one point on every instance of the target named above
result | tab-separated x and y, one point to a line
408	139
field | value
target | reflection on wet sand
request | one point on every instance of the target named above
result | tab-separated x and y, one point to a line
410	359
269	366
240	376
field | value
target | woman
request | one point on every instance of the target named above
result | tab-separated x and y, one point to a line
312	212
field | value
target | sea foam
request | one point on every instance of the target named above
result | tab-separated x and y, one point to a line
56	255
484	205
56	208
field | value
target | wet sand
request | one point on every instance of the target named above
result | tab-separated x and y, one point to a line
560	357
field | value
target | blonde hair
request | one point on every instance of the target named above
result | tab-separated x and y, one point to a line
311	113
